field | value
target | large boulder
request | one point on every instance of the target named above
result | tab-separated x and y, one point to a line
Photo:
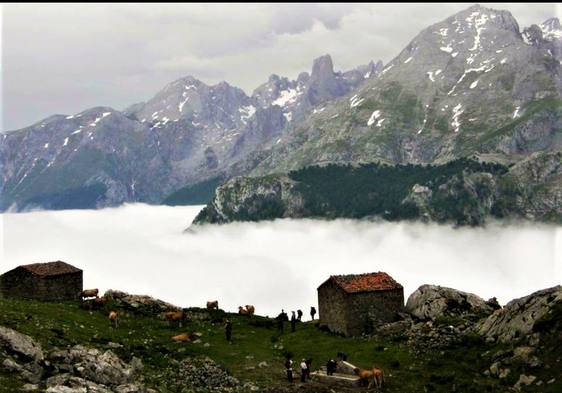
20	354
524	316
20	345
431	301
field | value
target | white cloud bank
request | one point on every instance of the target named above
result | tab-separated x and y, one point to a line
141	249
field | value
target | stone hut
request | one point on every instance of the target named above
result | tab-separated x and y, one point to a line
358	303
42	281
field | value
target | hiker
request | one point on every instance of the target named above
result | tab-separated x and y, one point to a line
289	369
299	315
293	321
308	367
228	330
331	367
304	370
280	320
312	312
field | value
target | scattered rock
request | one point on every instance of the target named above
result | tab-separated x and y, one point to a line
524	380
200	374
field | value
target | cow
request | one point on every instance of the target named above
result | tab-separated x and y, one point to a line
374	376
176	316
89	293
251	309
213	305
181	337
184	337
114	318
242	310
93	304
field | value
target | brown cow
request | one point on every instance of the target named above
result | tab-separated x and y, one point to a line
93	304
89	293
375	376
213	305
183	337
176	316
242	310
251	309
114	318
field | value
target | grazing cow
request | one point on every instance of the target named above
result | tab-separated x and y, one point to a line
114	318
242	311
251	309
373	376
213	305
89	293
176	316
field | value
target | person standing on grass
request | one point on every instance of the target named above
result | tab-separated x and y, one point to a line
312	312
299	315
228	330
289	369
308	367
304	370
293	321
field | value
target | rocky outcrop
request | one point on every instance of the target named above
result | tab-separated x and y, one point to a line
521	318
475	193
253	199
75	370
139	303
430	302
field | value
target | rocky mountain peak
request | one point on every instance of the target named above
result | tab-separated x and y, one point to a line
551	29
322	68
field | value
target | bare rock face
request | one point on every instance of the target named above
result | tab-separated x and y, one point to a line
431	301
522	317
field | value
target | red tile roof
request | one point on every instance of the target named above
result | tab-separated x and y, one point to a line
50	268
367	282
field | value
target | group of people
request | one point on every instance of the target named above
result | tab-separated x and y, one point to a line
295	317
304	369
281	319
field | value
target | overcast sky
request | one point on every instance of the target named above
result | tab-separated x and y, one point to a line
66	58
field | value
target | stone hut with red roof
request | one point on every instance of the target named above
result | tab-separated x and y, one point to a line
51	281
357	303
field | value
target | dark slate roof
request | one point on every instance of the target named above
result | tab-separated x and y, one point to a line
368	282
50	268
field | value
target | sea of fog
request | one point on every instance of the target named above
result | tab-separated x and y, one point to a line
142	249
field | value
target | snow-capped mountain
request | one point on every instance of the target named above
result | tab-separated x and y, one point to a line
187	132
471	84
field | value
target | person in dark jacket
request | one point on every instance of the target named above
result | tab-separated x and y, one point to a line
331	367
293	322
299	315
312	312
289	369
228	330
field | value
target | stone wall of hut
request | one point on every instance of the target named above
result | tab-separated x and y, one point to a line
367	310
21	284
